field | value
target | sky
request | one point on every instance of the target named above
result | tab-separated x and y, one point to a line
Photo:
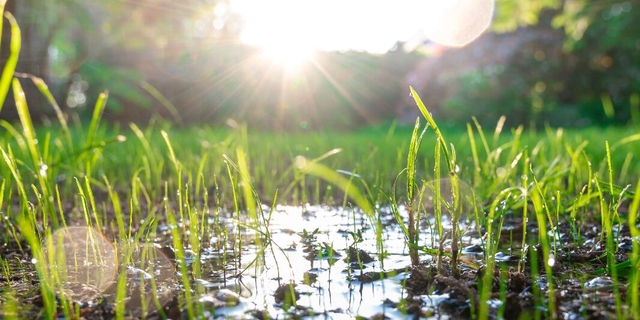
373	25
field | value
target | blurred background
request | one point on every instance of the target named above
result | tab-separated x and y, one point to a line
288	65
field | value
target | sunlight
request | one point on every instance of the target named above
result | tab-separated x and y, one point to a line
290	29
280	29
289	55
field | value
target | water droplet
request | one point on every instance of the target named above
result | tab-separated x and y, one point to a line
551	261
300	162
599	282
43	170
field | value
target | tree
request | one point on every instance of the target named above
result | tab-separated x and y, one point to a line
64	39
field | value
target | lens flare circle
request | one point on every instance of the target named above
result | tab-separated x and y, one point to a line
458	22
79	263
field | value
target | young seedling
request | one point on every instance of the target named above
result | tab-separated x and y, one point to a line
454	206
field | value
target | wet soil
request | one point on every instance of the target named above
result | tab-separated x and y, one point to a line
323	262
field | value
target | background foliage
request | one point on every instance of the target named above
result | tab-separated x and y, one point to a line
561	62
578	66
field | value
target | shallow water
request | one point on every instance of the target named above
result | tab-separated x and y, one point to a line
335	289
307	248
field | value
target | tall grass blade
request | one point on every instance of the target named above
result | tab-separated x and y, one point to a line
177	166
321	171
44	90
163	100
27	124
245	179
634	279
12	61
541	210
39	168
33	238
450	159
414	147
607	106
474	153
634	102
11	163
433	124
95	118
495	213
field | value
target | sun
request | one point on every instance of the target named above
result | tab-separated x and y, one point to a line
290	29
290	56
282	30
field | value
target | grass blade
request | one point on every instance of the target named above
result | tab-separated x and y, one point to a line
95	118
162	99
412	156
12	61
319	170
433	124
27	124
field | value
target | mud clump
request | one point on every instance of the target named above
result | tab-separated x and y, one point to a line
286	294
463	296
421	280
358	255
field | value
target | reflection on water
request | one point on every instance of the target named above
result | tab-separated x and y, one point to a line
328	284
308	249
80	264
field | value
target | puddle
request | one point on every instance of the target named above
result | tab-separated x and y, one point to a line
310	252
321	262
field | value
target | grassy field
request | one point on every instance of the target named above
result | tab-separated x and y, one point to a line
125	182
376	154
87	208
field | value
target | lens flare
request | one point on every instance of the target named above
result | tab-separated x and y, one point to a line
457	22
80	263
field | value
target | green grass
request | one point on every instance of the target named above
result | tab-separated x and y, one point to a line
122	173
126	181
